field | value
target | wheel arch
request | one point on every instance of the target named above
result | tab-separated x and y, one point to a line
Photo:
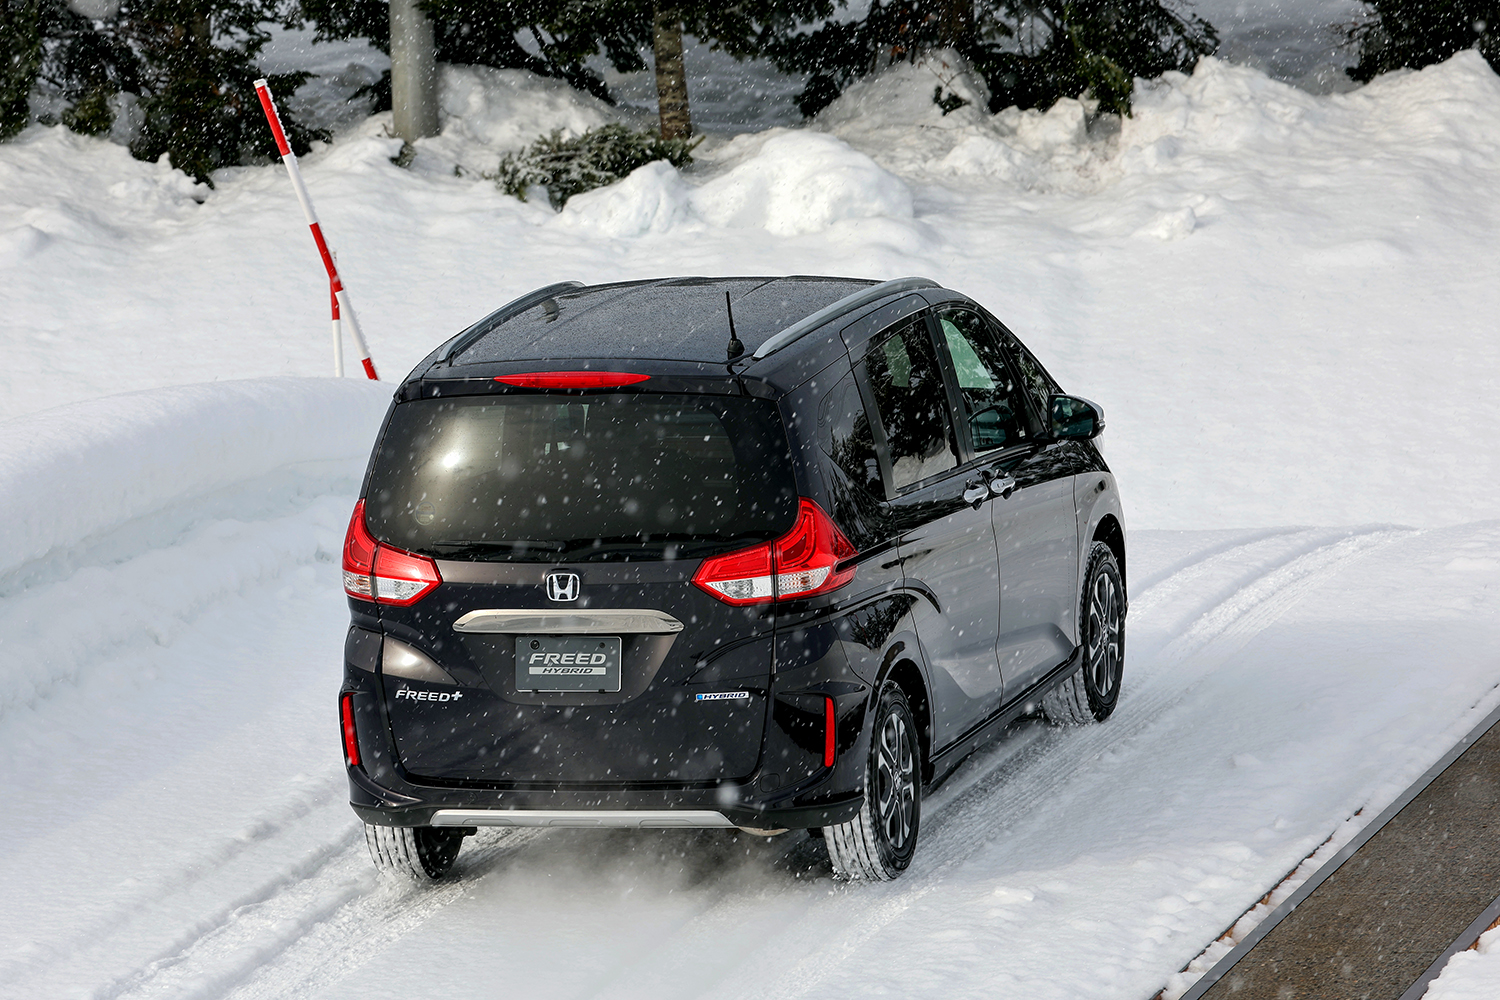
1109	531
906	675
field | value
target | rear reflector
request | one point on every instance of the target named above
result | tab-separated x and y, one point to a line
351	742
382	573
828	729
571	380
801	563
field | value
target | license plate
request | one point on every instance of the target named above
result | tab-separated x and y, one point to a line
568	663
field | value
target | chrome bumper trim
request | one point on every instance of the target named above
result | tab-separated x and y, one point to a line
606	621
582	818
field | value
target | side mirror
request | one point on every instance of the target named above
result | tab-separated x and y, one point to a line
1076	418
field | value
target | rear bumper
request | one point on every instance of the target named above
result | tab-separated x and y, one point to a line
788	787
682	808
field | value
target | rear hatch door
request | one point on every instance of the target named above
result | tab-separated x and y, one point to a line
568	634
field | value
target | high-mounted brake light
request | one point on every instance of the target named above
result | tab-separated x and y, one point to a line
571	380
346	722
801	563
382	573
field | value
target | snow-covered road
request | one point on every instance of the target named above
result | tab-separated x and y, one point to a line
172	750
1284	301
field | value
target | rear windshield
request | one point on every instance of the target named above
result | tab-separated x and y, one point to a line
545	478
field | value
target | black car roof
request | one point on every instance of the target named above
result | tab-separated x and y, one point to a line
682	319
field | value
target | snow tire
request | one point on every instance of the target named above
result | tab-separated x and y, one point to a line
416	852
1089	694
878	844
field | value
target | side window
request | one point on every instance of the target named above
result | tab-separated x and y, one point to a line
846	438
912	404
1038	383
994	407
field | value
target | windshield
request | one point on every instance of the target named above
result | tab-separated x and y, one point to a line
550	478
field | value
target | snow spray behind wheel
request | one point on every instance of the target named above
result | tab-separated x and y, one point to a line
339	296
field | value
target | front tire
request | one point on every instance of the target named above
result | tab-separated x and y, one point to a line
416	852
1090	693
878	844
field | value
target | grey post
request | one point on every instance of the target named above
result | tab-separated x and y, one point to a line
414	83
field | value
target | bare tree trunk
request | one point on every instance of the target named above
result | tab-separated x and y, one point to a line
201	31
414	100
671	78
955	23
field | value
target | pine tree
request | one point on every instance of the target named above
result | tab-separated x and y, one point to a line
1030	52
1410	34
197	79
191	63
22	35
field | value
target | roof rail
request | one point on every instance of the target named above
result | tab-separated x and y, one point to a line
508	311
846	304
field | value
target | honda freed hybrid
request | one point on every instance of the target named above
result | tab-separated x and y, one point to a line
767	553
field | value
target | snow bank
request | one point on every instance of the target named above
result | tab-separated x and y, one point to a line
77	471
1472	974
902	96
488	112
895	117
1227	107
63	192
802	182
1270	292
794	183
653	199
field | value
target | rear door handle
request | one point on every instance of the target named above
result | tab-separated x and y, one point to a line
1001	486
976	492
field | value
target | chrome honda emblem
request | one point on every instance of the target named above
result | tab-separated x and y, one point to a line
562	586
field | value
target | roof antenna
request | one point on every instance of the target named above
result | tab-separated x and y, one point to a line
736	347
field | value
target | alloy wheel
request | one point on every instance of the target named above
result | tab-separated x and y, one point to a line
1104	627
895	776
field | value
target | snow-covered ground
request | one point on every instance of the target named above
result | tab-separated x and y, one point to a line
1284	301
171	753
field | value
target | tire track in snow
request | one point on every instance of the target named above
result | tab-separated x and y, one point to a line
94	936
216	565
309	932
312	926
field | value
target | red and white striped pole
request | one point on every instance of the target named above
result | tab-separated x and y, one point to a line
338	333
340	298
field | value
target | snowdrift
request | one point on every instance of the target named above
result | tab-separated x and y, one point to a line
127	513
795	183
77	471
1270	292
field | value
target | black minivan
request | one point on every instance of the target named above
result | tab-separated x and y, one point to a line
767	553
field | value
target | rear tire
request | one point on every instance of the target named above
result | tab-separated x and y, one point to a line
878	844
1090	693
416	852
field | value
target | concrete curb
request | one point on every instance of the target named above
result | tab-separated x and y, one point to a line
1251	940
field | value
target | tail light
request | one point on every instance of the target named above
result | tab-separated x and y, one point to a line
346	720
382	573
801	563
